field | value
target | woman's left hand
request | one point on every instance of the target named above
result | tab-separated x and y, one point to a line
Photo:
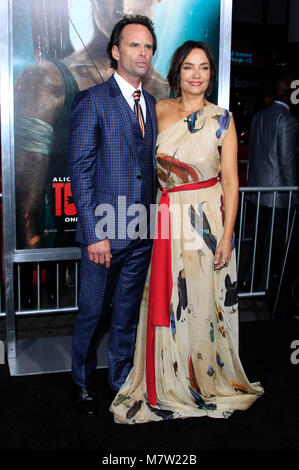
223	254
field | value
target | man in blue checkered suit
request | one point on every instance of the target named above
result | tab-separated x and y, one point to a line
113	174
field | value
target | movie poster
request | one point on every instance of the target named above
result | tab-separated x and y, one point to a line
59	48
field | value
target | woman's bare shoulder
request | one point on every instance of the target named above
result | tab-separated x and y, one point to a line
164	106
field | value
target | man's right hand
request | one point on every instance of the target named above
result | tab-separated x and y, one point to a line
99	253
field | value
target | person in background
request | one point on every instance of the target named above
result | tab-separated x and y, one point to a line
273	161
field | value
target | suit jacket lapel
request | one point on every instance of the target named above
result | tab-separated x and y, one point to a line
152	111
121	109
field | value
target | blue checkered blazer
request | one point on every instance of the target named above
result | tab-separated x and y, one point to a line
103	157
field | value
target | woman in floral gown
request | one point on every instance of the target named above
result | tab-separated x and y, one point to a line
186	361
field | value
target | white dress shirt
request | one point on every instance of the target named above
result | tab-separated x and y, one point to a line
127	91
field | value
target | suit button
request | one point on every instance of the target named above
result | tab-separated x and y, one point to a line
139	177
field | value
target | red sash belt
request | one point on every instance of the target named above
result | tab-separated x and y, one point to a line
160	288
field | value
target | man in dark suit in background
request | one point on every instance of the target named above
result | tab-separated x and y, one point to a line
112	167
273	160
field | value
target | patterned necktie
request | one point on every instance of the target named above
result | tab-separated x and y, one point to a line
137	110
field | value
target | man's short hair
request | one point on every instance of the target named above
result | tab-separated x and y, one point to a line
117	30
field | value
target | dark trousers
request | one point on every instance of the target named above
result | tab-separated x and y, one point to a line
122	285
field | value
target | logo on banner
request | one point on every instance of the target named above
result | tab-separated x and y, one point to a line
64	204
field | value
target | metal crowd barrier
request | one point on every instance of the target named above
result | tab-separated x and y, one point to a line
40	296
241	165
38	264
251	236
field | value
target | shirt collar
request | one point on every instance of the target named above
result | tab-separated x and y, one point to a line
282	103
125	87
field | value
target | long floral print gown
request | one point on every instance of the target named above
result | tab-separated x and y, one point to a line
197	366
